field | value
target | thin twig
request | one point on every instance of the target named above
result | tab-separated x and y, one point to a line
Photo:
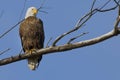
93	5
116	25
101	9
10	29
119	11
22	10
105	4
117	21
21	50
2	12
105	10
4	51
117	2
118	7
41	5
44	11
48	42
72	39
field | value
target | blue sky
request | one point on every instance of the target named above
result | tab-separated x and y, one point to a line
97	62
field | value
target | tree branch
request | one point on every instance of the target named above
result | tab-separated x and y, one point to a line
60	48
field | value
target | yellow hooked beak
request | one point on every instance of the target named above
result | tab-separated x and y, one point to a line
35	11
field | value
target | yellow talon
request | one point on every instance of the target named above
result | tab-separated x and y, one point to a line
27	51
32	50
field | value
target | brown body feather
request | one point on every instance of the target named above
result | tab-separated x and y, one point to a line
32	37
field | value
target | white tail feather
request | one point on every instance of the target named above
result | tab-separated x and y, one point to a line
33	63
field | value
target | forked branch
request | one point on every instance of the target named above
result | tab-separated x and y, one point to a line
85	18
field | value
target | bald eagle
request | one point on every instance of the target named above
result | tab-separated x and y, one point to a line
32	36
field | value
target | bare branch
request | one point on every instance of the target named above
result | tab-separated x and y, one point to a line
10	29
41	6
61	48
93	5
72	39
117	21
22	10
21	50
117	2
105	10
48	42
116	25
4	51
1	13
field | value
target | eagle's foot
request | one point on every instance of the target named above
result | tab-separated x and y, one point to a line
32	50
27	51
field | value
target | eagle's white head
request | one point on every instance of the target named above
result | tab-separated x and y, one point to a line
32	11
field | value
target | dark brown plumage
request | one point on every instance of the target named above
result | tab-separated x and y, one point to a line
32	36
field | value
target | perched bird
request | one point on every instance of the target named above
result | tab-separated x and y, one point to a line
32	36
